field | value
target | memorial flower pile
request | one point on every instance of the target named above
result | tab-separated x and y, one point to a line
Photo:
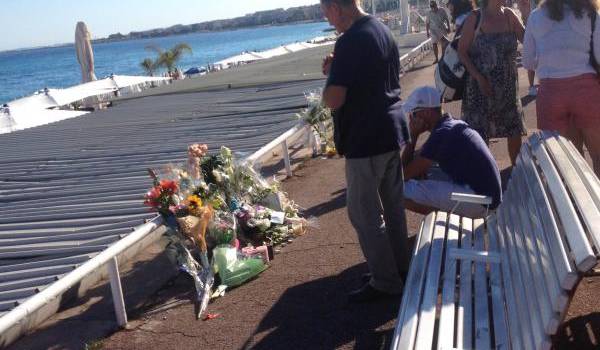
223	217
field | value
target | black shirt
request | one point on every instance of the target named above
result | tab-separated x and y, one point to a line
367	62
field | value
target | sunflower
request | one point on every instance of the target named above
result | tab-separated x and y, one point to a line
194	202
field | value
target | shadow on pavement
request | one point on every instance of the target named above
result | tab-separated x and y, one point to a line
525	100
85	320
580	333
316	315
337	202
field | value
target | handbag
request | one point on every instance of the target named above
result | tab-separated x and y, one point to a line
593	60
450	73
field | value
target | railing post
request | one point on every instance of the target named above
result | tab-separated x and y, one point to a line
286	158
117	292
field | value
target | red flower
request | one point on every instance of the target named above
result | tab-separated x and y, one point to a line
169	186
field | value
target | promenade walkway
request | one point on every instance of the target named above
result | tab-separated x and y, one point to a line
299	303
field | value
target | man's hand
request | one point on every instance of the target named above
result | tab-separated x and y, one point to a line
417	127
326	67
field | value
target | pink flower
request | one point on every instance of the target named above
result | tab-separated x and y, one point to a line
198	150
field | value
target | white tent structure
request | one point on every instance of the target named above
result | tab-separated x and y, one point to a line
85	54
246	57
23	118
44	106
278	51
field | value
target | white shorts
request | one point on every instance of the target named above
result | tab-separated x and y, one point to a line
436	194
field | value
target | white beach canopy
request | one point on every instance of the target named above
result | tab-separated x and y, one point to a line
245	57
85	54
22	117
43	107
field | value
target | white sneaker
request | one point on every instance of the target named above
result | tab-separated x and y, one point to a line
532	91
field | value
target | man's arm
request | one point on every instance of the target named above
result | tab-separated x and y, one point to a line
414	166
417	167
408	153
334	96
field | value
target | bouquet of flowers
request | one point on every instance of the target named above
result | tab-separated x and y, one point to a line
218	199
162	197
223	228
319	117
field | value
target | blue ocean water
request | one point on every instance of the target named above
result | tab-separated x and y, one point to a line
23	72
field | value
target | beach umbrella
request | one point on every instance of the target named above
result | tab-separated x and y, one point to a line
85	55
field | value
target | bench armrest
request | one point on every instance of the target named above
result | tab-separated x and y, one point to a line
470	198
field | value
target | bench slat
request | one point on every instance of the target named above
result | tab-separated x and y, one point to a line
580	193
482	324
558	298
585	172
524	281
565	267
514	283
530	260
575	234
464	330
430	296
497	282
406	327
447	314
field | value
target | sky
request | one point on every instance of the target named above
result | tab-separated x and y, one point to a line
32	23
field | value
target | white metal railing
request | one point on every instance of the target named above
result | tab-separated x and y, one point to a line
284	141
410	59
19	320
23	317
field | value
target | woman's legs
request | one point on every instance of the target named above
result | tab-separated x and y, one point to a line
574	135
514	146
591	137
586	118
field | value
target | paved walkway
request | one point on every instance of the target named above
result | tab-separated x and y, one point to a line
299	303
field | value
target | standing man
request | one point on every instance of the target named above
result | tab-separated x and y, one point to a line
363	89
438	26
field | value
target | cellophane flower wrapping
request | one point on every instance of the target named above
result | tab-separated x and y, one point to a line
319	117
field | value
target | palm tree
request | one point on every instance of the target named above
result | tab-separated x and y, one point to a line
169	58
149	66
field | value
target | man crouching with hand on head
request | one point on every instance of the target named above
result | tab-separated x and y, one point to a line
466	163
363	89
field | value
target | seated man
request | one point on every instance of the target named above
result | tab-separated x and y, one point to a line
461	153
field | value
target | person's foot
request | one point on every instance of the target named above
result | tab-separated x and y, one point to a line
532	91
368	293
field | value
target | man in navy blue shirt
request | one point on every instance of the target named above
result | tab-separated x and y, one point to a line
465	160
363	89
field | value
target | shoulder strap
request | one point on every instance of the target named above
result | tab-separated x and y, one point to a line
593	60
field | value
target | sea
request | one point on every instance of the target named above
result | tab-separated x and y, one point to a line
23	72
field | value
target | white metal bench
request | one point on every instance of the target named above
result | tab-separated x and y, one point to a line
505	282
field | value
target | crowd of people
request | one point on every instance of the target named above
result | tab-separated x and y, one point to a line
377	132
